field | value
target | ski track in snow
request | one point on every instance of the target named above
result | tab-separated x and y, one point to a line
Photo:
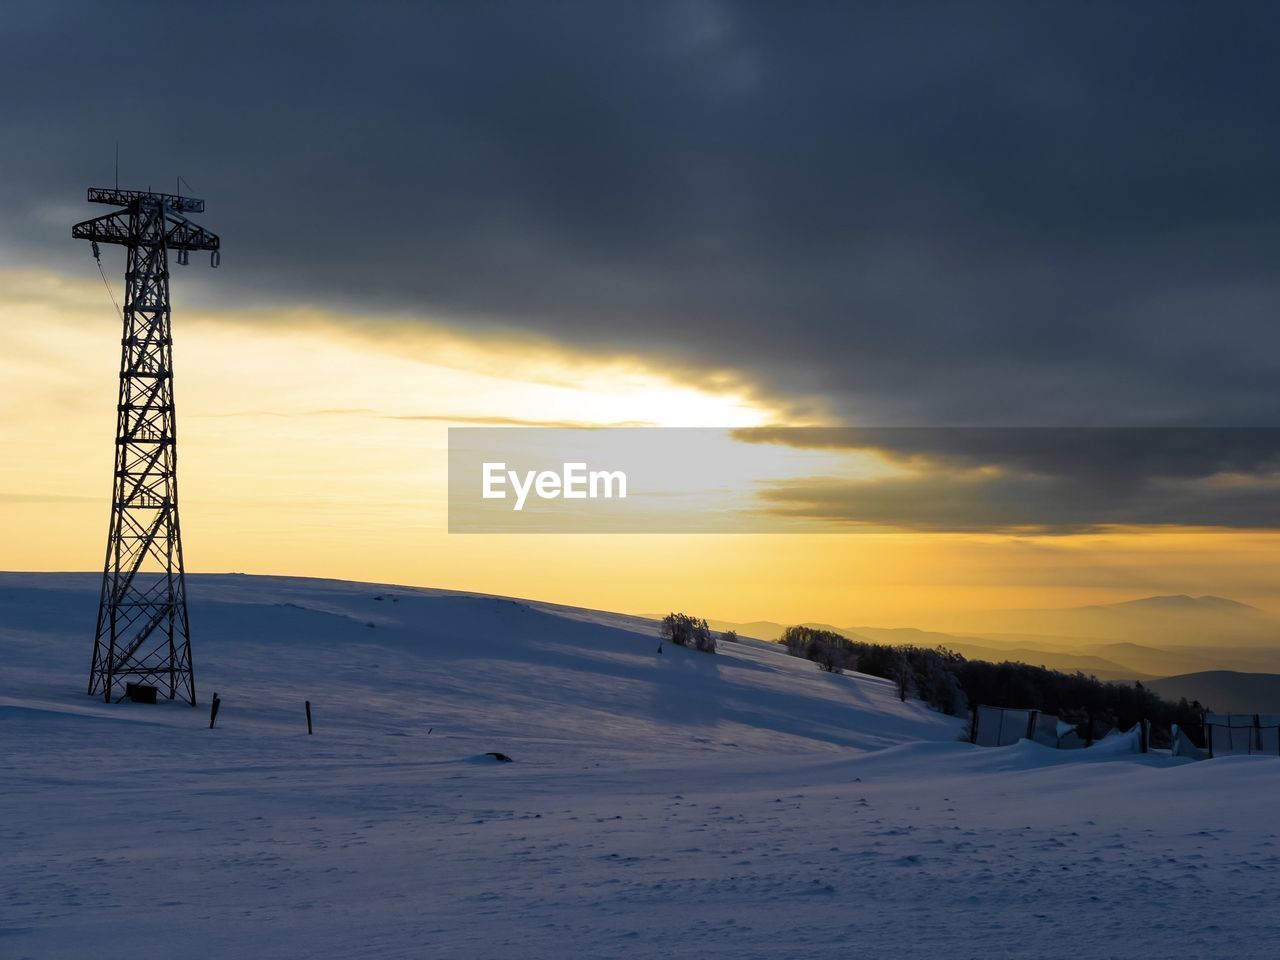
673	805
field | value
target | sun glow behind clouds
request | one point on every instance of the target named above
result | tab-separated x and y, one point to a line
303	433
314	444
436	376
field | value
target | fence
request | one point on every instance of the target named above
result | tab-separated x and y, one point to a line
1225	734
1238	734
1001	726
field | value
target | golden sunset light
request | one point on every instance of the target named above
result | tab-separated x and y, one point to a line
324	453
690	479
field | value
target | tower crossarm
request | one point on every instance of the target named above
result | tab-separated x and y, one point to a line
182	234
123	198
111	228
179	232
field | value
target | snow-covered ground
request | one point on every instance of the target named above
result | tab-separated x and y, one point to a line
673	805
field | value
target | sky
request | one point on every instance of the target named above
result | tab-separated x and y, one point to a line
730	215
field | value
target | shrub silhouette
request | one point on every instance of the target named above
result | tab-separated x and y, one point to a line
686	631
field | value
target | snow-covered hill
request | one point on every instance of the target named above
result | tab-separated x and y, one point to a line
674	804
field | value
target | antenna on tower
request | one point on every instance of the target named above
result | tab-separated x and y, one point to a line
143	638
117	164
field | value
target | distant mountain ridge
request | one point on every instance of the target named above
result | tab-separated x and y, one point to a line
1139	639
1225	691
1175	601
1165	621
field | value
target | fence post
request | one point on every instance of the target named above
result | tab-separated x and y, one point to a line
973	725
1257	733
308	702
213	710
1031	723
1089	738
1144	735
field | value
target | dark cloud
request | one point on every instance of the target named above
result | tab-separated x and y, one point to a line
906	213
1118	456
1022	504
1040	480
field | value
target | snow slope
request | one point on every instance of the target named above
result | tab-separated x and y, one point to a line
742	805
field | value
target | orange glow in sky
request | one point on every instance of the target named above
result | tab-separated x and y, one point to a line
308	449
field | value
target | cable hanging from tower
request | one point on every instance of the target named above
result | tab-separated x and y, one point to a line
97	256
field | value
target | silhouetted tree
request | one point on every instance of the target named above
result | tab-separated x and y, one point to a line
686	631
830	651
947	681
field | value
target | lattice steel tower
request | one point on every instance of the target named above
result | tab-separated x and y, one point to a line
143	633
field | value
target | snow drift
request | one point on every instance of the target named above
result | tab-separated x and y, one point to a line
742	804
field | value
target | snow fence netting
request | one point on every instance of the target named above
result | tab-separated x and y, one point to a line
999	727
1234	734
1002	726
